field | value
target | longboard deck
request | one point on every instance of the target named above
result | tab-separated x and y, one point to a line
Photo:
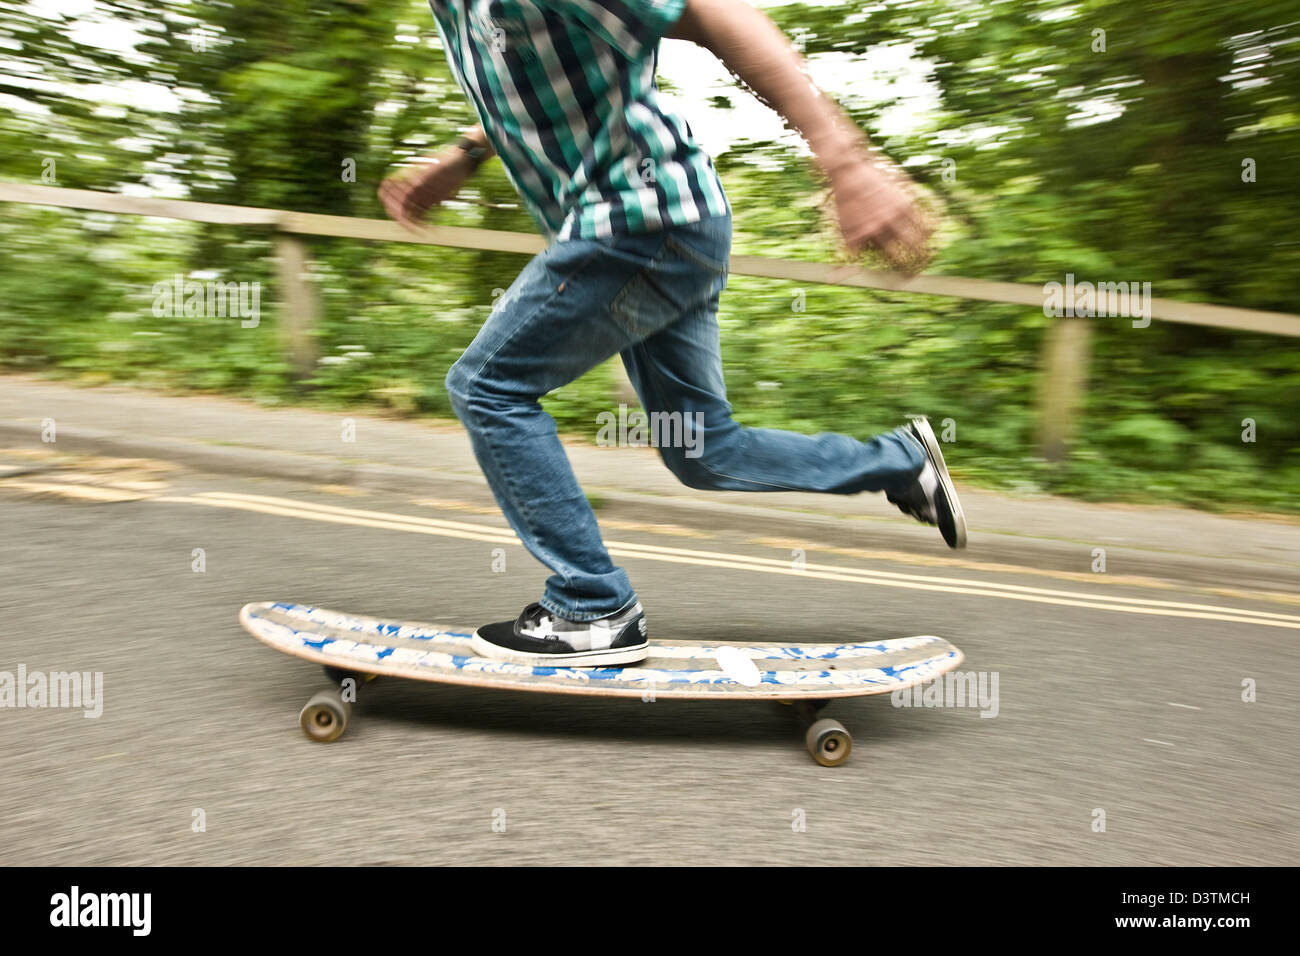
740	670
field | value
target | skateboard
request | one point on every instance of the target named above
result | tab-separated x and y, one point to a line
805	676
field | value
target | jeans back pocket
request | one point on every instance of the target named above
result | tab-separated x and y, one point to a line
689	269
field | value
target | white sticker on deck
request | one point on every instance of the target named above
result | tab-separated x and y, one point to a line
738	666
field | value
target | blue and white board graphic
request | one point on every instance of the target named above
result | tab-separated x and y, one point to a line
681	669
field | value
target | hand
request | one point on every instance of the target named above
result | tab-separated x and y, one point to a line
877	210
409	194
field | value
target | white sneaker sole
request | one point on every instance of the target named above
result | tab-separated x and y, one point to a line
945	480
603	658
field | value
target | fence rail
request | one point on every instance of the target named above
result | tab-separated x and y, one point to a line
1065	358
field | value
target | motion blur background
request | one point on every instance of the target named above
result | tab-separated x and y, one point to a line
1106	139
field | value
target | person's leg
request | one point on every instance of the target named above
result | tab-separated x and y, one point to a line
541	335
654	299
678	371
572	307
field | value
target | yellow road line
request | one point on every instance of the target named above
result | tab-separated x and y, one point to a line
956	565
284	507
363	522
81	492
508	536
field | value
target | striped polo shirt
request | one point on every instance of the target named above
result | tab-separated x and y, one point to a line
565	90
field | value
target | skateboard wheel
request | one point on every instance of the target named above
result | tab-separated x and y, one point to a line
828	742
325	717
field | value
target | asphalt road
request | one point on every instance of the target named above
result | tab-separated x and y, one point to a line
1100	707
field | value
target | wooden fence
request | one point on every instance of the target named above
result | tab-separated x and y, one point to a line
1066	350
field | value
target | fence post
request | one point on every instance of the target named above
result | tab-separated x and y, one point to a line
299	306
1062	382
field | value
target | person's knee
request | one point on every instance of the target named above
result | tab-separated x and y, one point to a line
699	465
693	473
462	386
478	392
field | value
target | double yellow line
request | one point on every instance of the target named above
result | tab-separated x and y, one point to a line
388	521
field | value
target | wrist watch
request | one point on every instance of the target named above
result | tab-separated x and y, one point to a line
476	152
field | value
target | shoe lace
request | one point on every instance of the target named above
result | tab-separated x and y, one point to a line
534	615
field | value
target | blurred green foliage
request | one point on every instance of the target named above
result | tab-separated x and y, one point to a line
1048	154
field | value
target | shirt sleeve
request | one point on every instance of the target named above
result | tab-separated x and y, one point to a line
630	26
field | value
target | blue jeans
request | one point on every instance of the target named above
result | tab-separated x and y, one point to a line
653	299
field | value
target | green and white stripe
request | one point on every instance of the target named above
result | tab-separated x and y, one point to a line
565	90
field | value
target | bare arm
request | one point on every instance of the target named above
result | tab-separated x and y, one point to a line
875	207
755	49
410	193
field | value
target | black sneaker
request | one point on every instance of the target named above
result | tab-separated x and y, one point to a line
931	498
539	637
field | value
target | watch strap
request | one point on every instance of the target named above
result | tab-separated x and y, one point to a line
476	152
